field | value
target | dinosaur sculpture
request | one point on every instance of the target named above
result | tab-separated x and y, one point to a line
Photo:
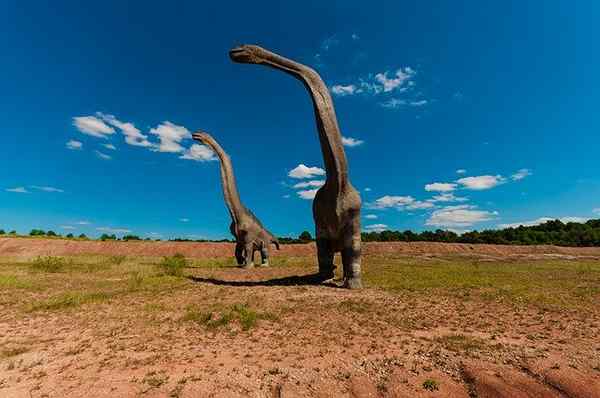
336	207
250	234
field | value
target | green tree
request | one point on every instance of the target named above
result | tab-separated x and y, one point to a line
2	232
83	236
50	233
305	236
70	236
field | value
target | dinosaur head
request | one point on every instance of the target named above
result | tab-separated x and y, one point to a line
248	54
201	136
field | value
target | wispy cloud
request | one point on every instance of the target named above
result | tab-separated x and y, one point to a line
400	80
342	91
47	189
542	220
376	227
307	194
199	153
303	171
522	173
133	136
397	80
17	190
83	222
461	171
111	230
110	146
367	189
440	187
448	197
102	155
74	145
184	219
351	142
480	183
93	126
308	184
371	217
459	216
69	227
170	136
596	210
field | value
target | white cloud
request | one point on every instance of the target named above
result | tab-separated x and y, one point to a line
351	142
286	196
481	182
93	126
83	223
390	84
184	219
459	216
70	227
371	217
420	205
17	190
133	136
342	91
440	187
542	220
307	194
355	36
376	227
47	189
302	171
596	210
103	155
419	103
74	145
200	153
307	184
461	171
447	197
170	136
393	103
388	201
367	189
113	230
110	146
519	175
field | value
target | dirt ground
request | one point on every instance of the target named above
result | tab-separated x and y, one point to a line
115	327
33	247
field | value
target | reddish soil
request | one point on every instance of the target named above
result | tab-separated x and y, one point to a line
33	247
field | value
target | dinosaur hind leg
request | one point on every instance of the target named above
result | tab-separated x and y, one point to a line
351	256
264	257
249	255
325	254
239	253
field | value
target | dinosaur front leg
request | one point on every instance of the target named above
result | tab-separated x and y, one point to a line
325	256
249	255
239	253
351	256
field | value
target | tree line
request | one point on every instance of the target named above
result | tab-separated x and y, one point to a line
549	233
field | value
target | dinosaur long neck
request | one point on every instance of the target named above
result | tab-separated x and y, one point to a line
336	165
230	192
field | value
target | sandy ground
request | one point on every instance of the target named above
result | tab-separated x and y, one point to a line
323	342
27	248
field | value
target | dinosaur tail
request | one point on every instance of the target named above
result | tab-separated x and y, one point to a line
275	241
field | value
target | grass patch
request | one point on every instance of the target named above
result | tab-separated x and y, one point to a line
431	385
117	260
242	313
461	343
545	283
12	282
67	300
173	265
50	264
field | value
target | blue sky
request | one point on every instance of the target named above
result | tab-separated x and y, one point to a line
456	115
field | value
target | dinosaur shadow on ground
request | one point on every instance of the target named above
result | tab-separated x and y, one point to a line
294	280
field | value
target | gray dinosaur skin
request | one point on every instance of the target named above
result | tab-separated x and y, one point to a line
336	207
250	234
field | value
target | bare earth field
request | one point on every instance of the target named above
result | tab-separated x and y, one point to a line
434	320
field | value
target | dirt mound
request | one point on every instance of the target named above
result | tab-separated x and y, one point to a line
33	247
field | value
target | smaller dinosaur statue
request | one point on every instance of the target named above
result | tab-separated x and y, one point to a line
249	233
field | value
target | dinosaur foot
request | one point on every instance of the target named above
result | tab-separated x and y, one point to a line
265	264
248	266
353	283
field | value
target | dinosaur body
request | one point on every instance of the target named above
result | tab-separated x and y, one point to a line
249	233
336	207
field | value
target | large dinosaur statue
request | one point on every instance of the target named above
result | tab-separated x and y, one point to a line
336	207
250	234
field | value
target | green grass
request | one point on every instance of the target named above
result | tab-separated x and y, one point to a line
216	318
431	385
546	283
50	264
173	265
67	300
12	282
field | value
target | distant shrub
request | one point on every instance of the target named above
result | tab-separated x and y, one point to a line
131	237
82	236
70	236
173	265
2	232
305	236
13	232
108	237
50	233
37	232
431	385
49	264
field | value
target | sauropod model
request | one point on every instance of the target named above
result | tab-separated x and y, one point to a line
336	207
250	234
